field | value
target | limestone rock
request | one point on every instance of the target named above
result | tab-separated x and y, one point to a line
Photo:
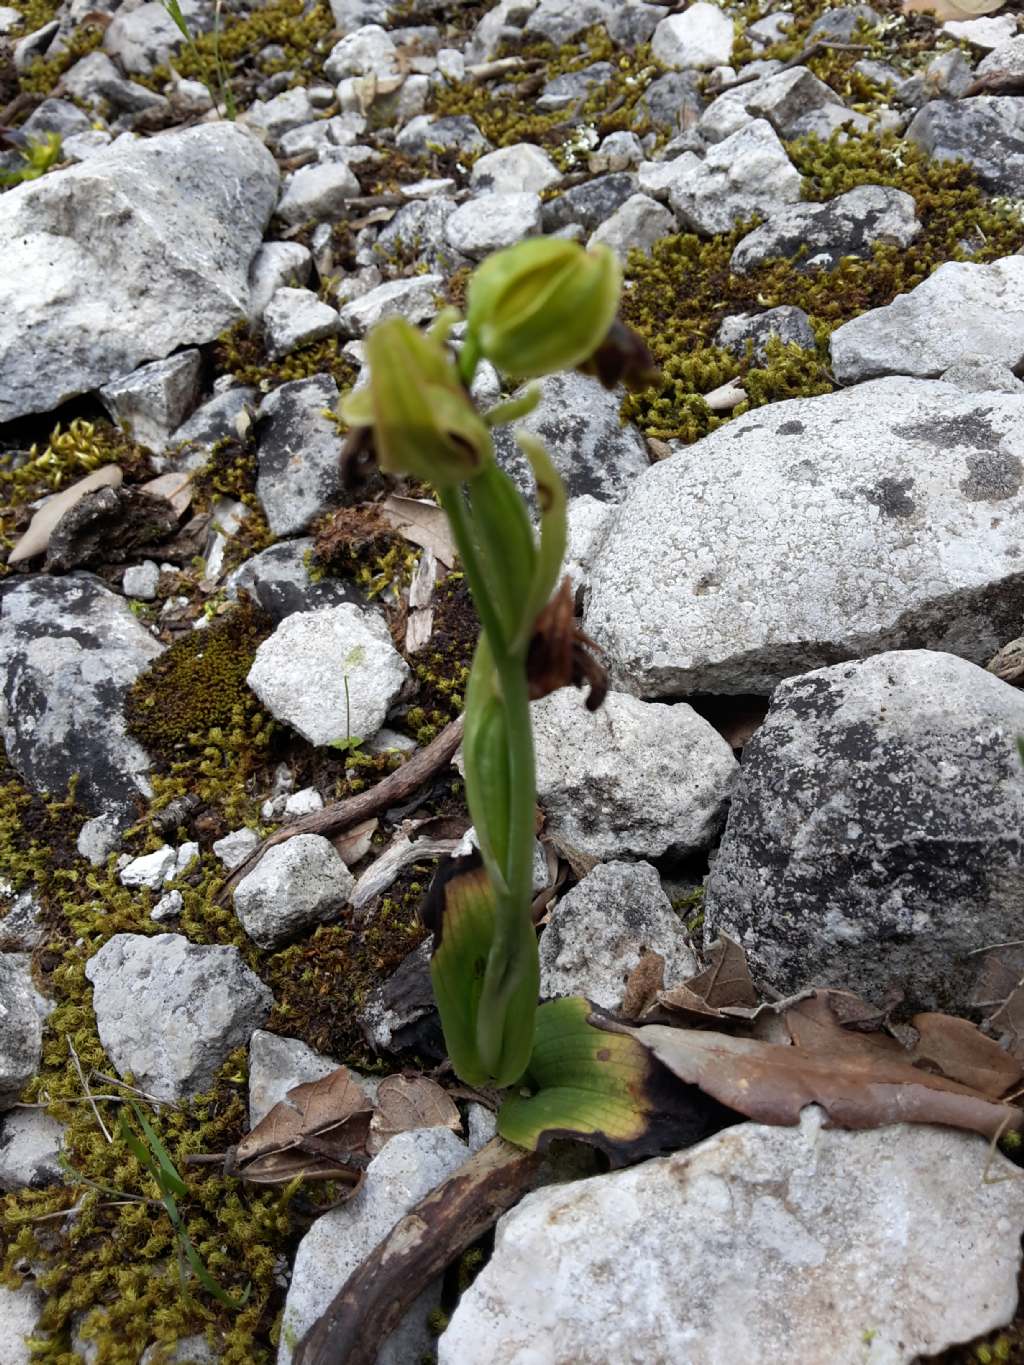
171	1012
300	673
183	212
278	580
791	325
872	837
818	236
598	932
987	132
407	1169
276	1065
588	204
745	174
275	265
30	1145
20	1310
294	886
701	37
296	317
455	134
143	38
959	307
317	193
70	649
976	373
415	299
635	225
521	168
21	1037
633	778
493	221
793	1244
885	516
298	451
154	400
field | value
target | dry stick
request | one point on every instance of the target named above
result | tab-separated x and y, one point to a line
371	1302
334	818
88	1092
811	50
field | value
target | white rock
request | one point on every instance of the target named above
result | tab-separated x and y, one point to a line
10	18
659	178
619	151
597	933
169	906
818	236
82	146
276	1065
882	516
297	454
635	225
97	839
588	522
318	192
235	847
369	51
296	884
959	307
279	115
745	174
978	374
296	317
300	673
409	1167
635	778
520	168
183	212
30	1145
154	400
142	38
151	870
482	1126
991	31
415	299
700	37
492	221
276	265
96	82
1009	56
303	802
21	1037
171	1012
141	581
793	1244
20	1310
451	64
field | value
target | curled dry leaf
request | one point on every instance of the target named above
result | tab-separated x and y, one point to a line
318	1131
644	985
423	523
407	1102
723	990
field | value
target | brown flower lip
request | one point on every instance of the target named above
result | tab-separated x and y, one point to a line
560	653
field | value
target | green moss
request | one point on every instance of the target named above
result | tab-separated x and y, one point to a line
42	75
681	291
241	352
442	669
358	544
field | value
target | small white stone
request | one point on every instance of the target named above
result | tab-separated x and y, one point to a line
619	151
493	221
520	168
369	51
303	802
635	225
235	847
317	192
276	265
295	885
451	64
151	870
169	906
701	37
296	317
186	852
141	581
988	32
415	299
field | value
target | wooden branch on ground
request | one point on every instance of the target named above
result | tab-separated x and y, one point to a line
342	814
372	1301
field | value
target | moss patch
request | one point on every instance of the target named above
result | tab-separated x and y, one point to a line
241	352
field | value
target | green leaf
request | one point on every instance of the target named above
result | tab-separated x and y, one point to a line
459	910
168	1178
585	1083
505	545
553	524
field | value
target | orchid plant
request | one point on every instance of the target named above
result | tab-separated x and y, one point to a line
538	307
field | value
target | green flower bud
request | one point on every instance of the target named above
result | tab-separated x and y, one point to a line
423	421
542	305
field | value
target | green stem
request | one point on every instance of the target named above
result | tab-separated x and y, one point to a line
454	504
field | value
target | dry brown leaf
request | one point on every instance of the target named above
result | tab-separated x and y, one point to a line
355	843
175	487
407	1102
423	523
37	537
319	1131
1009	1020
960	1051
644	985
945	10
772	1082
1000	972
725	981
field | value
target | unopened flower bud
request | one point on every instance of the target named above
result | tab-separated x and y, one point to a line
542	305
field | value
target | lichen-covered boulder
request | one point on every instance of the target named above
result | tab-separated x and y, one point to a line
140	250
874	835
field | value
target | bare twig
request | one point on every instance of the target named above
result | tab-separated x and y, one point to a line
88	1093
811	50
373	1299
489	71
142	1094
394	788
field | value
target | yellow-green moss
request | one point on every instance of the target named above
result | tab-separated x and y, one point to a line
358	544
40	76
241	352
681	291
442	669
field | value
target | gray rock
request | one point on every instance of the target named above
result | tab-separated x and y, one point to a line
635	226
350	15
493	221
81	146
771	29
142	38
417	231
155	399
747	173
296	317
21	1038
20	1310
194	1350
317	193
30	1145
275	1066
21	929
872	840
275	266
560	21
597	934
831	509
300	673
796	103
319	137
408	1168
34	45
579	423
791	325
415	299
701	36
183	212
367	51
588	204
783	1237
502	21
455	134
279	115
278	580
987	132
295	885
629	24
97	82
818	236
141	581
151	870
674	101
97	839
235	847
171	1012
211	422
1008	57
634	778
959	307
70	649
975	373
659	178
620	151
949	74
401	1012
56	116
840	25
297	450
574	86
520	168
588	522
168	907
988	31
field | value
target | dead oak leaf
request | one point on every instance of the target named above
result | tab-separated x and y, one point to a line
407	1102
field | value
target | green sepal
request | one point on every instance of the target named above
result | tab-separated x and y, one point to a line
513	408
582	1082
505	543
553	526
